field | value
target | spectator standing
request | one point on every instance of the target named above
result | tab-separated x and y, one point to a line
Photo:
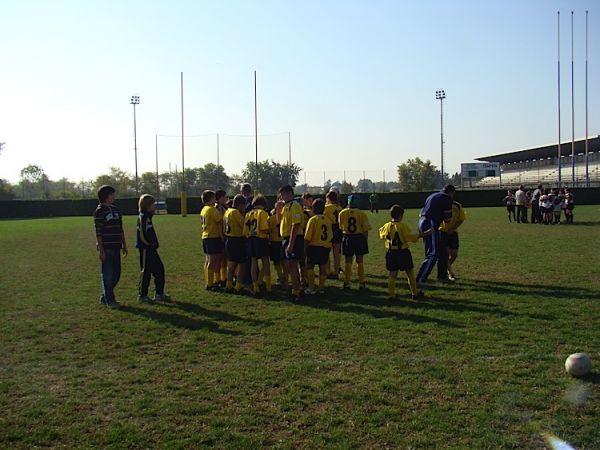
536	215
521	200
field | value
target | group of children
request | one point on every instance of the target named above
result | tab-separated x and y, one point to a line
241	238
546	205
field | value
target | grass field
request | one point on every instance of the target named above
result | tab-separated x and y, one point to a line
476	365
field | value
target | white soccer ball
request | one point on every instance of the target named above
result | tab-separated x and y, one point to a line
578	364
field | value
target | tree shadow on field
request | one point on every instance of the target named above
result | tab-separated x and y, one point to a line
525	290
589	223
178	320
220	316
360	303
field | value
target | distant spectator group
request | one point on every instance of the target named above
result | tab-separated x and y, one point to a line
543	205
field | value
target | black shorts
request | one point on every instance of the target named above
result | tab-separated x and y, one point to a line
259	247
235	249
354	245
570	207
449	240
398	260
510	208
337	234
316	255
276	251
298	252
213	246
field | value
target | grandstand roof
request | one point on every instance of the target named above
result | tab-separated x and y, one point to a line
546	151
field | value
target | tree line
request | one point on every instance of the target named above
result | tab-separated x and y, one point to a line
266	177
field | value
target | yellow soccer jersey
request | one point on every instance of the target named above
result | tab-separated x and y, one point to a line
332	212
458	214
292	214
212	221
353	221
397	235
233	223
257	223
318	232
274	229
308	213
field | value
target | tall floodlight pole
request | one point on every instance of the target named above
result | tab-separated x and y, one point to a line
587	162
559	153
135	100
572	108
183	191
156	158
440	95
255	136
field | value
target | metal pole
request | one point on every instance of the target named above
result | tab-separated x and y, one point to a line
218	155
587	163
137	183
442	136
558	78
182	142
255	134
572	109
157	178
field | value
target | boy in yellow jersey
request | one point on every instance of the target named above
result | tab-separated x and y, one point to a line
257	231
235	243
212	238
307	202
355	232
276	253
397	235
332	212
449	235
317	239
221	205
292	235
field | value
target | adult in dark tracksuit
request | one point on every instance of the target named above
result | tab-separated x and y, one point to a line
147	244
438	208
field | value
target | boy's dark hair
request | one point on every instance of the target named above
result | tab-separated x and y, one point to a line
287	188
449	189
220	194
104	192
238	201
208	197
259	200
332	196
307	195
396	212
318	206
145	201
246	189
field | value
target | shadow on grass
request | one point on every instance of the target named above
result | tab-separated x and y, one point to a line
586	223
220	316
178	320
593	377
360	303
511	288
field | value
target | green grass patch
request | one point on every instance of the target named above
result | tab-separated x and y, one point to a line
474	365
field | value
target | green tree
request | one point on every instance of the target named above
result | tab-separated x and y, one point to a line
213	177
7	192
148	183
365	185
33	182
346	188
122	181
271	175
418	175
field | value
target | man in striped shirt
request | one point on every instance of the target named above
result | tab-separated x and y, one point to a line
110	241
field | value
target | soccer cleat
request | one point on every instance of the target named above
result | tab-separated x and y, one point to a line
103	300
309	291
446	280
162	298
418	295
144	299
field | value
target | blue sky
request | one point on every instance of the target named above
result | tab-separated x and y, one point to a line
354	82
